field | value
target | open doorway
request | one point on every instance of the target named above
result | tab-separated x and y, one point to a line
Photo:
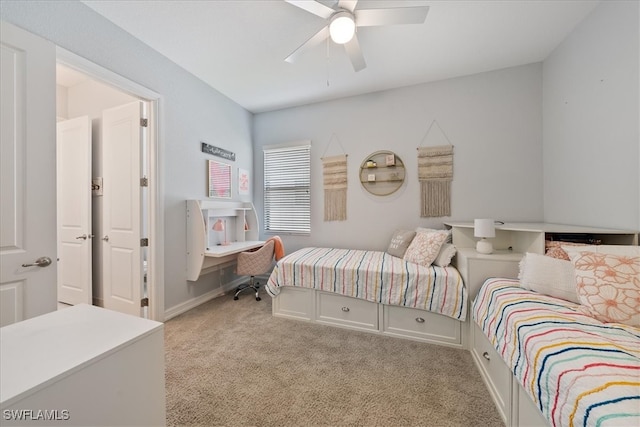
85	93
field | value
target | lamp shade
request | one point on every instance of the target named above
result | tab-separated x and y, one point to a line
484	228
221	225
218	225
342	28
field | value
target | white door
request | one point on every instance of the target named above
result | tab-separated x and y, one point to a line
122	137
74	210
27	175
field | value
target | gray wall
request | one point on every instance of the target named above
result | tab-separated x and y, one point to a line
190	112
493	119
591	147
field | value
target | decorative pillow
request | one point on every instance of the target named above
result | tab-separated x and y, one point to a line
425	247
554	249
446	254
606	249
431	230
608	285
400	241
549	276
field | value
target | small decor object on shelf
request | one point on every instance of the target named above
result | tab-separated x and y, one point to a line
221	225
371	177
390	159
484	228
371	164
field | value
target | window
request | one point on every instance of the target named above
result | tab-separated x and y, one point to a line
287	184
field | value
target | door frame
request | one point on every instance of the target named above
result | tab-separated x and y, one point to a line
155	274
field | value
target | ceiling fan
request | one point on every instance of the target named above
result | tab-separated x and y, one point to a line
344	20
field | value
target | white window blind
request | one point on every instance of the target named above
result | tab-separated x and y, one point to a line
287	184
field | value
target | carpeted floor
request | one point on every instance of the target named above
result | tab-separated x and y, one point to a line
230	363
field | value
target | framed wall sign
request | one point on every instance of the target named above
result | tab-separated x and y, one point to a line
217	151
219	179
243	182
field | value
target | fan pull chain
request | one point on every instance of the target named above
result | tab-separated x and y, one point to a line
327	61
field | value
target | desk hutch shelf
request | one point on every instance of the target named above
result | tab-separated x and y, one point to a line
205	251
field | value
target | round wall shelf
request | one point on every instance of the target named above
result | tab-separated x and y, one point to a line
382	173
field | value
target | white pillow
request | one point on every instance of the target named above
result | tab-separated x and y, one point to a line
446	254
549	276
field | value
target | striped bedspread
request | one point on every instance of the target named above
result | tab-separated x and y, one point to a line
577	370
373	276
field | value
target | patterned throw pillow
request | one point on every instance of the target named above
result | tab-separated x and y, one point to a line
425	247
608	285
400	241
554	249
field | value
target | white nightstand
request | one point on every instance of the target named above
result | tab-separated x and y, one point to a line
475	268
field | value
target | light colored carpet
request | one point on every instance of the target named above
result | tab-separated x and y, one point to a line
230	363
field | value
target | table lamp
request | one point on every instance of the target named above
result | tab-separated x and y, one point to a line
220	225
485	229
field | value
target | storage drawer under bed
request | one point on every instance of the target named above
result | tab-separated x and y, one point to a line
494	371
346	311
420	324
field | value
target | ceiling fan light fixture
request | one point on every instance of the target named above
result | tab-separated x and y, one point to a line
342	27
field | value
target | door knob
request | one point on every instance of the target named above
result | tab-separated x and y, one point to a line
105	238
40	262
83	237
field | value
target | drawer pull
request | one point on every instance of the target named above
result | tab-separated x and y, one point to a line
486	355
345	309
419	320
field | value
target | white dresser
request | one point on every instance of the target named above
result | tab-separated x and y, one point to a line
83	366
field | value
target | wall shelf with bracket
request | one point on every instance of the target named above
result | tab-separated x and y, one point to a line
382	173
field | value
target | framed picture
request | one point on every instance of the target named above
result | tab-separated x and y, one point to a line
219	179
243	182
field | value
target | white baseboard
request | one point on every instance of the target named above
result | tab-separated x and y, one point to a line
194	302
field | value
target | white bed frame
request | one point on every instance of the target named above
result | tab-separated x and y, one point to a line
515	407
337	310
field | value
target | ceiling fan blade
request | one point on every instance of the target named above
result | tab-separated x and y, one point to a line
350	5
355	54
315	40
314	7
394	16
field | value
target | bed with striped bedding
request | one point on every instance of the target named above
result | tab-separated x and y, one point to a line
374	276
577	370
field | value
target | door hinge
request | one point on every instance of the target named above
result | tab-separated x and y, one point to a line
144	242
144	181
144	302
144	122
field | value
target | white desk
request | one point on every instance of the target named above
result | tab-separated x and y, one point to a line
204	253
232	249
89	365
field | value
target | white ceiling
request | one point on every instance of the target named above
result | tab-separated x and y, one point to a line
238	46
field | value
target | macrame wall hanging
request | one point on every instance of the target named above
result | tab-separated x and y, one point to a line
334	170
435	173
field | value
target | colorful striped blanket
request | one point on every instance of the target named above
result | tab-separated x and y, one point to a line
373	276
578	370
